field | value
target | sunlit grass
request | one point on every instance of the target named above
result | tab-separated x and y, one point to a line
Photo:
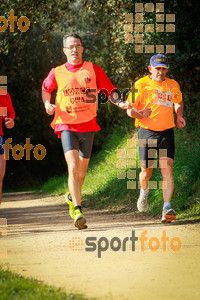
16	287
103	189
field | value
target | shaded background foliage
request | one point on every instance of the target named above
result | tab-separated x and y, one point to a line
26	58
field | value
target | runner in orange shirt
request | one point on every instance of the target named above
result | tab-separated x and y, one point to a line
77	83
155	133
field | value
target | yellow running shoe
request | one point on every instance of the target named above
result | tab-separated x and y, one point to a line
79	220
68	199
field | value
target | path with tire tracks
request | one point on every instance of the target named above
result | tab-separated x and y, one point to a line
106	261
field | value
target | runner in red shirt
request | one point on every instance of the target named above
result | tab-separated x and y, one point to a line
78	83
7	114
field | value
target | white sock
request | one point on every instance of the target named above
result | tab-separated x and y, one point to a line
144	192
167	205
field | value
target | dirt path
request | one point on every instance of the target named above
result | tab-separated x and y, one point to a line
37	244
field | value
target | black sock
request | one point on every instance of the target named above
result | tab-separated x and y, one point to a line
78	206
70	197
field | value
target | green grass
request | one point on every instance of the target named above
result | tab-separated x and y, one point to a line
56	185
102	188
16	287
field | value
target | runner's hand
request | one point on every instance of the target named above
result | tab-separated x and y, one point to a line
145	112
181	122
124	105
9	123
50	108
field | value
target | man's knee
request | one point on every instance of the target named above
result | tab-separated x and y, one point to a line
82	175
146	173
73	168
167	167
167	172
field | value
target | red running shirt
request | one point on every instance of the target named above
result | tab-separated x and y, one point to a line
5	103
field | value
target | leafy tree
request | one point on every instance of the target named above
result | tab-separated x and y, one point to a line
28	57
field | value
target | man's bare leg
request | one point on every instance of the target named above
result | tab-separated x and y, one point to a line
2	173
166	165
145	175
83	168
77	168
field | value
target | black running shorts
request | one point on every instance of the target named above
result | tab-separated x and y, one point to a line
2	142
81	141
152	142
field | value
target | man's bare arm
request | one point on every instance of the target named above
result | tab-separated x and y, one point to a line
46	98
179	114
135	114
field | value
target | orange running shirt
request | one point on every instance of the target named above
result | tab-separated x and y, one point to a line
159	96
73	105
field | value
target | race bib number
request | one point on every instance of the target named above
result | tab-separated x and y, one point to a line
163	98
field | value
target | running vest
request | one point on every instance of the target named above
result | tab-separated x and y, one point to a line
76	100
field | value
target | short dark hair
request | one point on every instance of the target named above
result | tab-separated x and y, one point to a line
75	35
